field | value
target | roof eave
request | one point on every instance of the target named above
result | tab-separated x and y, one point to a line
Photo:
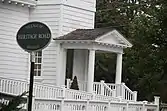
29	3
74	41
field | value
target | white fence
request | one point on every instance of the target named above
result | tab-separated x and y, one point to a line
109	90
90	105
121	90
102	89
51	98
17	87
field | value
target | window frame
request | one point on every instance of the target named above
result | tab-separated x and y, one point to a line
37	64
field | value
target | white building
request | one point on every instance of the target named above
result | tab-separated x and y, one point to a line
72	26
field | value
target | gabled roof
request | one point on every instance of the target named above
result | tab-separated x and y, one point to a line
108	36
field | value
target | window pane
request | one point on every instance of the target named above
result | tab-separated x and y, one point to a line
35	73
35	66
38	61
39	66
40	53
39	73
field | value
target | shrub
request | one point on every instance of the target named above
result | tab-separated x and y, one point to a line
74	84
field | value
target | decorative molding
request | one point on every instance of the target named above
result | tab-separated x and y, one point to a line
28	3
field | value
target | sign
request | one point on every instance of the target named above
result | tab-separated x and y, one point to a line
33	36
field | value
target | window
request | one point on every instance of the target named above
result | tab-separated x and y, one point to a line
38	62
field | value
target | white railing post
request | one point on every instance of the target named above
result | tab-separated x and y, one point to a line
63	91
156	101
33	103
62	104
109	107
93	96
68	83
144	106
135	95
127	106
114	93
102	87
87	105
122	93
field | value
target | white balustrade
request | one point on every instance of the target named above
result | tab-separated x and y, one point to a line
110	85
103	89
105	98
75	94
17	87
47	91
46	105
46	97
123	91
97	87
10	86
91	105
127	94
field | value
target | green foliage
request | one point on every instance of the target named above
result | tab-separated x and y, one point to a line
144	23
74	84
14	103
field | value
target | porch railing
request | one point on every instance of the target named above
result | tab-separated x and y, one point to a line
90	105
123	91
102	89
17	87
109	90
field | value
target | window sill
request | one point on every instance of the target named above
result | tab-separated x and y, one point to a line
38	79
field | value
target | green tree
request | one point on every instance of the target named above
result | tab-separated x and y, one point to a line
144	23
14	104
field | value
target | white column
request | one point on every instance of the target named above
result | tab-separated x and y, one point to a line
91	65
118	77
61	67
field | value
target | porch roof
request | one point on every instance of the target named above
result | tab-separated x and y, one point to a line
98	39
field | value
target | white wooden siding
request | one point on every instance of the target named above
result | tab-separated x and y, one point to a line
13	60
82	4
50	15
75	18
62	17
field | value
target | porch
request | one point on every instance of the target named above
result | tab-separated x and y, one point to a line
85	44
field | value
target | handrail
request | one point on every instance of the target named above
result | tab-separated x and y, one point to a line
123	84
16	87
103	89
127	94
108	91
111	85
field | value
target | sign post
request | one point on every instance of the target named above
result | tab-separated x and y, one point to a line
32	37
32	60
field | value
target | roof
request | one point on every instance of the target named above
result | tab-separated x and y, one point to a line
85	34
107	36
